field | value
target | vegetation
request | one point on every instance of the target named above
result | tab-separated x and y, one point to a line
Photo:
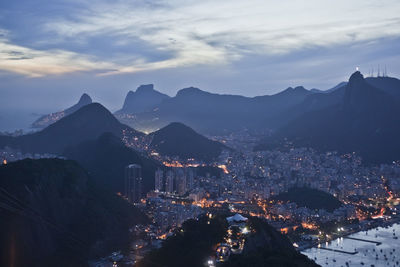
192	245
361	120
177	139
53	214
106	159
310	198
196	242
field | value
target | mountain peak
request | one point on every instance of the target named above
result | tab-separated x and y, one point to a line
85	100
178	139
145	88
178	125
189	91
48	119
145	98
361	95
299	88
356	77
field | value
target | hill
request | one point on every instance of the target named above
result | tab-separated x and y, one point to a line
310	198
267	247
143	99
87	123
106	158
359	119
52	214
48	119
177	139
197	240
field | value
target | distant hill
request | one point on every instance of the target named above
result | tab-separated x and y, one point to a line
143	99
106	158
388	84
52	214
215	113
48	119
358	118
87	123
310	198
177	139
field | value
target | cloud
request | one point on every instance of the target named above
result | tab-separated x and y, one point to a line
37	63
116	37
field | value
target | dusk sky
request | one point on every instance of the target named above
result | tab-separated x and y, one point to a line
53	51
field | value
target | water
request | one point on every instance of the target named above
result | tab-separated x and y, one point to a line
369	254
11	120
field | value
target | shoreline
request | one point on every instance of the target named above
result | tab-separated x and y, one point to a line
389	223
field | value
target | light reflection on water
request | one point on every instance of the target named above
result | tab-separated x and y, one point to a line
369	254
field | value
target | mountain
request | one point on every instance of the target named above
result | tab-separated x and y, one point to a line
52	214
198	238
267	247
87	123
339	85
48	119
388	84
177	139
215	113
143	99
106	158
361	121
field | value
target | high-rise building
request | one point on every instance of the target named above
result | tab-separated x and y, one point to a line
190	178
181	181
169	182
159	181
133	182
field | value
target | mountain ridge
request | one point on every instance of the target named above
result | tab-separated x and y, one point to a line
360	121
48	119
89	122
143	99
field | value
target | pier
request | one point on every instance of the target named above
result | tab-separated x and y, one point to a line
364	240
340	251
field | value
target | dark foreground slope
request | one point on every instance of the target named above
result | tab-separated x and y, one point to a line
106	158
268	247
177	139
53	215
196	242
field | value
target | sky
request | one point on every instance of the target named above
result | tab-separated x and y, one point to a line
52	51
